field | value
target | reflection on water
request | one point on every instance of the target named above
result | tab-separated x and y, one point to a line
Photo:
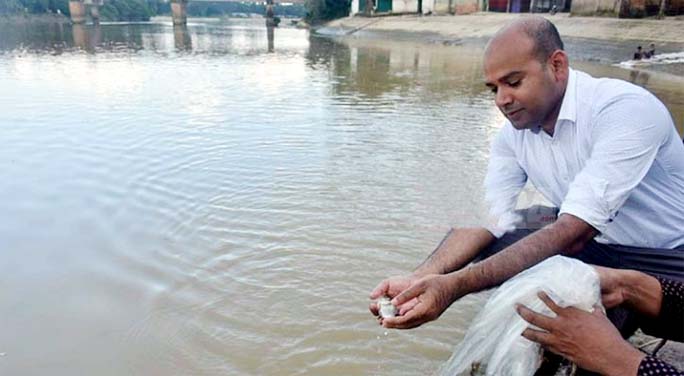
639	78
270	32
181	37
192	200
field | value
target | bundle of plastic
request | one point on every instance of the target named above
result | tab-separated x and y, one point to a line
493	344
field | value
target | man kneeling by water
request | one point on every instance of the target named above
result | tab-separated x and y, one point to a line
603	151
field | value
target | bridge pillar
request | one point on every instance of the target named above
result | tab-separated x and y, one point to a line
179	12
95	13
78	11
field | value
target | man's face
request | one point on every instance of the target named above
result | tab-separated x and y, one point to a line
526	91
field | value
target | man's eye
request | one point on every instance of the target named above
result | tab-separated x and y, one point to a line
494	90
514	83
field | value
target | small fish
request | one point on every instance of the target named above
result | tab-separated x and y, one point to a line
387	309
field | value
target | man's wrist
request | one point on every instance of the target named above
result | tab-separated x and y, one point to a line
626	362
642	292
424	270
629	284
458	282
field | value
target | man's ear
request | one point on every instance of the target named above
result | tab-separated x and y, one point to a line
558	61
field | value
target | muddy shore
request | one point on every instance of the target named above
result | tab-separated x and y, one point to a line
484	25
596	39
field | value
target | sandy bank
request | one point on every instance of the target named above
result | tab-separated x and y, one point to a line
481	25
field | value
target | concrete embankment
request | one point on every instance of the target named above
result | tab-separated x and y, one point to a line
483	25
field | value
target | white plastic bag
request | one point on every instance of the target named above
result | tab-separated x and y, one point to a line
494	339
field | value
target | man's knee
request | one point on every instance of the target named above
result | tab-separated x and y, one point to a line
536	217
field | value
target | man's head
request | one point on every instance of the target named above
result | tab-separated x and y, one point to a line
527	69
638	48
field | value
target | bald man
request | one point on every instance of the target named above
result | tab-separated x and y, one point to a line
603	151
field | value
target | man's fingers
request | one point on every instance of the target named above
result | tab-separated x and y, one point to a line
549	303
534	318
407	306
408	294
412	319
373	307
539	336
380	290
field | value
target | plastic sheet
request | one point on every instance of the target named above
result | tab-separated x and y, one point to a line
494	343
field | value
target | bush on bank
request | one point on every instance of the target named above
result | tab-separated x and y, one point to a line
324	10
11	7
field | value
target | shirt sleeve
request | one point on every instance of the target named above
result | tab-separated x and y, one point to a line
651	366
503	183
626	136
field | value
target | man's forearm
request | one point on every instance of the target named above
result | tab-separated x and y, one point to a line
458	248
564	234
642	292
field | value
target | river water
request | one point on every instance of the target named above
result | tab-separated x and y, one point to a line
193	201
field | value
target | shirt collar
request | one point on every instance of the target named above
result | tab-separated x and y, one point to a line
568	110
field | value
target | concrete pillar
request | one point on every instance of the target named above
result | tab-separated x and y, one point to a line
179	12
95	13
78	11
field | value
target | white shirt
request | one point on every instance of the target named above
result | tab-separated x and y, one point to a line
615	160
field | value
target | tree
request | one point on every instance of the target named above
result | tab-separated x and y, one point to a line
661	11
323	10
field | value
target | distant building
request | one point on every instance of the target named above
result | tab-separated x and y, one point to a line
626	8
379	7
614	8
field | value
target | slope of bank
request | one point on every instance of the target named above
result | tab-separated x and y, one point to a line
482	25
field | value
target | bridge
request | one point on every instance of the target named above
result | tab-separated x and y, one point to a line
79	9
251	1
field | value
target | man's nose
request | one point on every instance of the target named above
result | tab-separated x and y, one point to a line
503	98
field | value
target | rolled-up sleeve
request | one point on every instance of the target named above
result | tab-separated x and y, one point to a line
625	138
503	183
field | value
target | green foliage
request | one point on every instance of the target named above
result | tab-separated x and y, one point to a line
112	10
323	10
125	10
33	6
217	9
142	10
10	7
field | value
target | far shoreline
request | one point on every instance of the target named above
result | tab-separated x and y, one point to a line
593	39
485	24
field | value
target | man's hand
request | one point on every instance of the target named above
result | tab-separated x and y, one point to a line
423	301
630	288
612	290
588	339
391	287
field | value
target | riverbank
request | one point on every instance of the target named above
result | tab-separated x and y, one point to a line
484	25
594	39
